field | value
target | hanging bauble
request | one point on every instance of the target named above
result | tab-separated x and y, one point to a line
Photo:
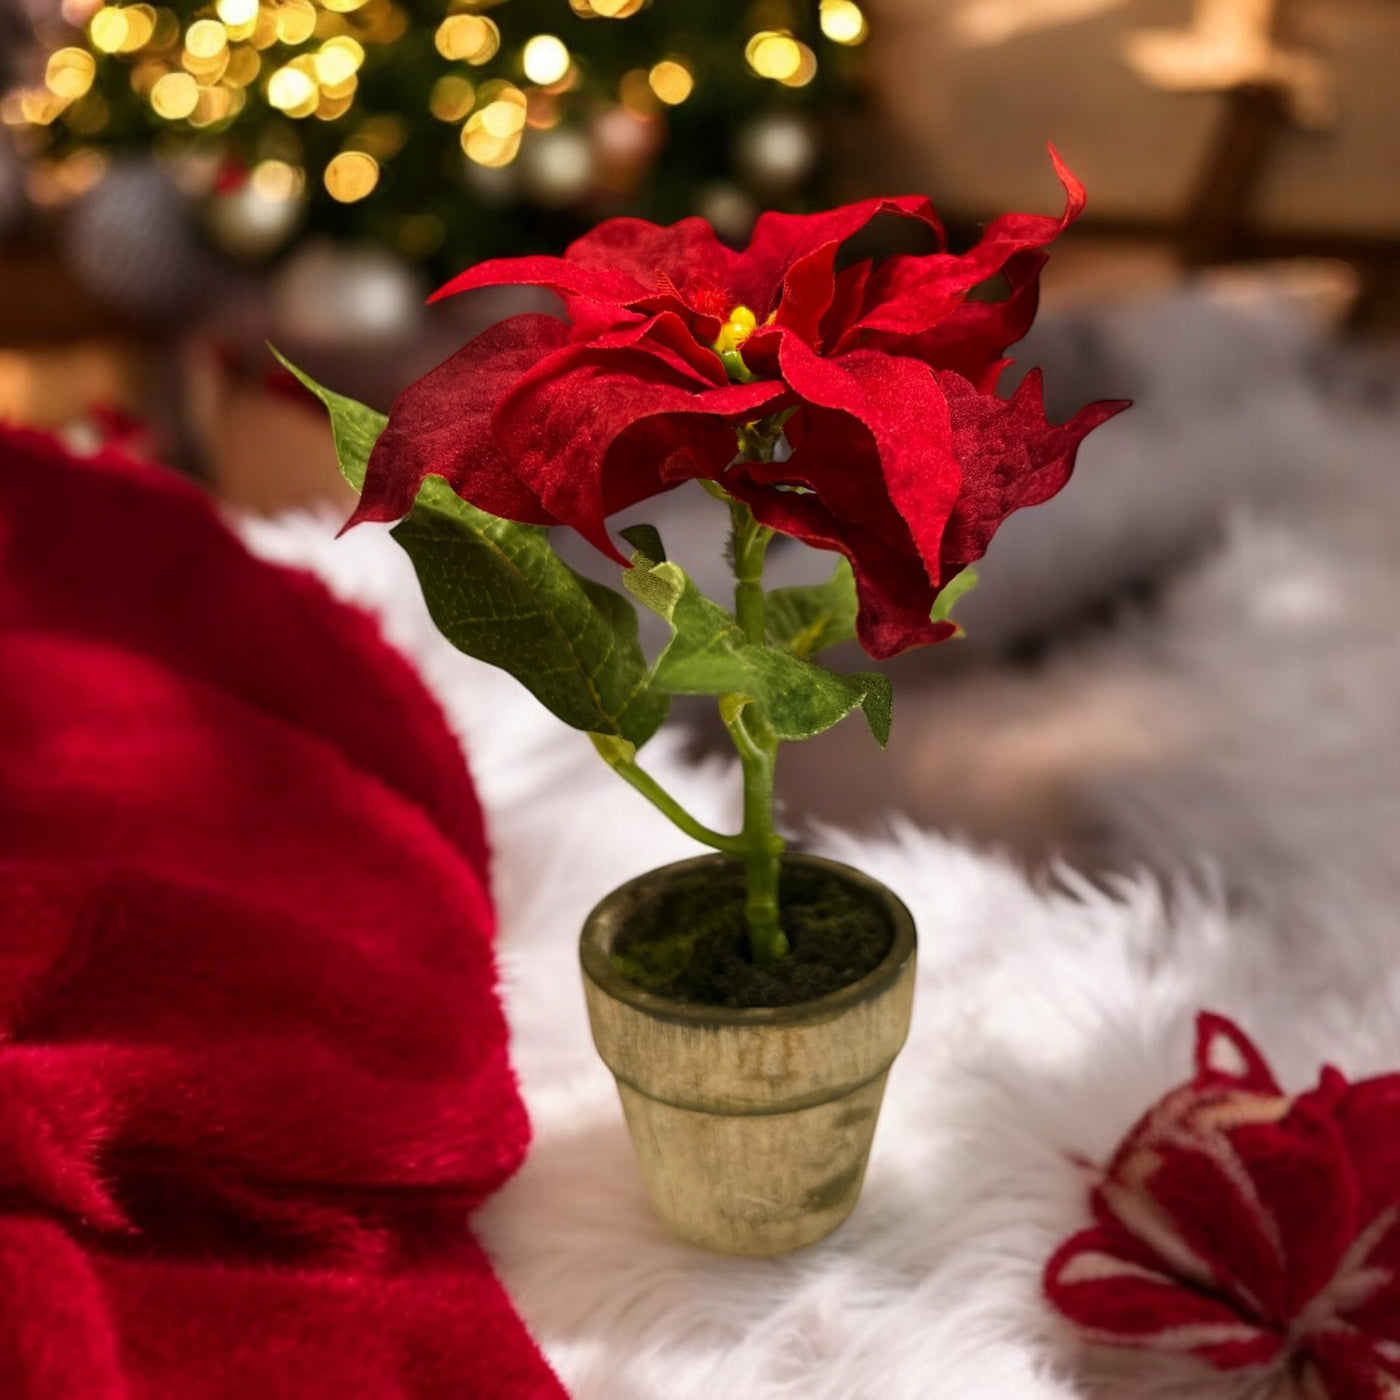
134	241
729	210
558	168
777	151
251	215
625	146
351	297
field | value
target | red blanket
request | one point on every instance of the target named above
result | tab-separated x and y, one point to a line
253	1070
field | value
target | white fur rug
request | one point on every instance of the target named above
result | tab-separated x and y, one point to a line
1045	1021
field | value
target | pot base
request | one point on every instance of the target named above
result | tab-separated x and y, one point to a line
755	1185
752	1126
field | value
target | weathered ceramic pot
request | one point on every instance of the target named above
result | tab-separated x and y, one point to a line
752	1126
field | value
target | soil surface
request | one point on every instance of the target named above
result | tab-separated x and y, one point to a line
691	943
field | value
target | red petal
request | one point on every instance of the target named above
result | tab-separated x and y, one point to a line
909	295
441	426
900	404
570	279
1299	1170
797	252
972	340
561	423
1350	1367
1118	1301
1368	1117
847	298
666	336
895	594
1226	1055
651	255
1011	457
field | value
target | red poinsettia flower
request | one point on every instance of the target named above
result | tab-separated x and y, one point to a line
1251	1229
902	455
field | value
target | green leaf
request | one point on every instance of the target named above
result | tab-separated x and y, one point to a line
656	586
962	582
499	592
354	427
709	655
809	619
646	540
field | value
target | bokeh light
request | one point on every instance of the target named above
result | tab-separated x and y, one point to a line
351	176
671	81
545	59
174	96
843	22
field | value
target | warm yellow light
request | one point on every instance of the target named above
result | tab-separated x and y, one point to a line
671	81
39	106
146	75
331	106
69	73
543	110
275	180
215	104
806	68
485	148
289	88
505	116
206	70
107	30
159	28
351	176
471	37
243	66
206	38
773	55
338	60
634	88
342	7
296	21
382	137
237	13
264	34
382	23
843	22
452	98
174	96
616	9
545	59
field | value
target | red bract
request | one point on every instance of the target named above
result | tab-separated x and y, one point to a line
903	458
1250	1228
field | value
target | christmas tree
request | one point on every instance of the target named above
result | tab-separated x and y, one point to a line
446	131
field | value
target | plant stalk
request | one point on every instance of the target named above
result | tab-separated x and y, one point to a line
637	776
753	737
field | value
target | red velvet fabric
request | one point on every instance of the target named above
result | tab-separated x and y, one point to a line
1251	1228
253	1069
905	459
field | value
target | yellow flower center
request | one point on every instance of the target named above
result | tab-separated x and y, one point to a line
736	330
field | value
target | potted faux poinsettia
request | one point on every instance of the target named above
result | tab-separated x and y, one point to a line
749	1002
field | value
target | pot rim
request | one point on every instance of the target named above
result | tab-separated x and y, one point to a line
595	947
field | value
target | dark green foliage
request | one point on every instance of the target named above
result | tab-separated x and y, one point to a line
691	943
709	655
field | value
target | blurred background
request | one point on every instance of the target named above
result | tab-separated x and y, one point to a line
1190	658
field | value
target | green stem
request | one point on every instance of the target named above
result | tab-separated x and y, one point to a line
633	773
758	750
